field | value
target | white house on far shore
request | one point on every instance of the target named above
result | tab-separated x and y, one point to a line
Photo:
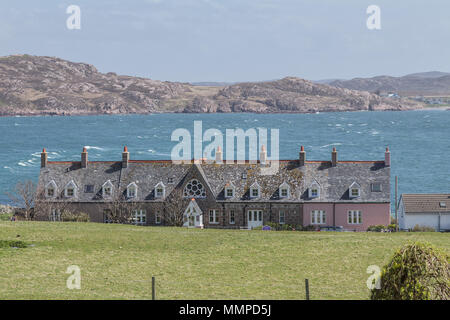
430	210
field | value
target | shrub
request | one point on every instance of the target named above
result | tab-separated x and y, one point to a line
418	228
376	228
68	216
417	271
392	227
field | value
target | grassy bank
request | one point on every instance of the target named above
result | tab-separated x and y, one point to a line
118	261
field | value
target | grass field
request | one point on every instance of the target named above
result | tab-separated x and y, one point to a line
118	261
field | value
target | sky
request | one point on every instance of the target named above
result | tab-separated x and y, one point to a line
234	40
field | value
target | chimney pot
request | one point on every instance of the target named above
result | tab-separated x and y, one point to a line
44	158
387	158
219	158
334	157
263	155
84	158
125	157
302	156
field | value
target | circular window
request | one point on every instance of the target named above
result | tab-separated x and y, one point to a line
194	188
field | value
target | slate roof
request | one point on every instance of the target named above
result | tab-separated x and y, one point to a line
334	181
426	203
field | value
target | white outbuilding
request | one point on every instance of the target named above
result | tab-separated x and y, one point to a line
424	210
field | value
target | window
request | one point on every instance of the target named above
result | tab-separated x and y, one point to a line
160	190
132	190
244	176
229	192
284	190
354	217
232	217
213	216
254	190
281	217
139	217
107	189
70	190
314	190
376	187
55	215
195	189
157	217
354	190
170	180
255	215
89	188
50	189
318	217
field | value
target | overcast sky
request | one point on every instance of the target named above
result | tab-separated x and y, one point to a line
234	40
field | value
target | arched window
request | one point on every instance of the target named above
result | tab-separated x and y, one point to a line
194	189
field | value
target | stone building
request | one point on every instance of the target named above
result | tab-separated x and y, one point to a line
218	194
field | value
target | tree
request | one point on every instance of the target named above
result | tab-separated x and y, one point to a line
119	209
23	196
418	271
175	206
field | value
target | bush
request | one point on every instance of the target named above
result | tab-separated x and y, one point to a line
376	228
68	216
417	271
392	227
418	228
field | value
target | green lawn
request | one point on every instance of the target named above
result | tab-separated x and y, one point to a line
118	261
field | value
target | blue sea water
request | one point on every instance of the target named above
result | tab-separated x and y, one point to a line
419	140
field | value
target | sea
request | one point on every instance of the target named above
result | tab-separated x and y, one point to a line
419	140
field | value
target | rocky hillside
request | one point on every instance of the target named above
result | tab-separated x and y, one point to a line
31	85
418	84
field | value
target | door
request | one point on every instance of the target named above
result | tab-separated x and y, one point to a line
254	218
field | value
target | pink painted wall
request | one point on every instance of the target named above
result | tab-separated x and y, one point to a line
372	214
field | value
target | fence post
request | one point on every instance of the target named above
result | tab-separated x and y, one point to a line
153	289
307	289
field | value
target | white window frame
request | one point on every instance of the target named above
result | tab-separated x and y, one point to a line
354	186
107	184
255	186
232	215
355	217
284	186
318	217
158	186
53	186
139	216
282	214
314	186
214	216
70	185
55	215
129	188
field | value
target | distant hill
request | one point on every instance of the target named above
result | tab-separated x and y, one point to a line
432	83
33	85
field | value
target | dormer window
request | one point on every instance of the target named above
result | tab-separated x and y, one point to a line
170	180
50	189
314	190
255	190
132	190
244	176
354	190
107	189
376	187
284	190
70	190
229	190
160	190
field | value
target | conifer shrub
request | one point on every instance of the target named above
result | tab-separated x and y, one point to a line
417	271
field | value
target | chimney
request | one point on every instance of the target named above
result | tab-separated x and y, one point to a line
219	155
44	158
302	156
387	157
125	157
263	155
84	158
334	158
